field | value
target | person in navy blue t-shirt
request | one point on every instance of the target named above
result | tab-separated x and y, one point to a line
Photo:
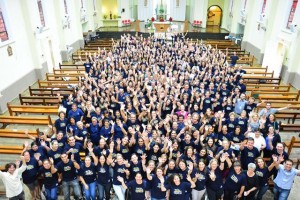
50	179
155	183
55	152
248	153
235	182
30	174
138	187
87	175
68	170
199	177
104	182
61	123
76	113
178	188
73	148
120	170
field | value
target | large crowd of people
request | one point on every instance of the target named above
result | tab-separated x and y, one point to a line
161	120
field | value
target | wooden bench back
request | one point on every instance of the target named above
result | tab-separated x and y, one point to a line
41	120
16	109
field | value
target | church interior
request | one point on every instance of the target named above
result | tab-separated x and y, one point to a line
45	45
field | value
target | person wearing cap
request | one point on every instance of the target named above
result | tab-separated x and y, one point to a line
235	182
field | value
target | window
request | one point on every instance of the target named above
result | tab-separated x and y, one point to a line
3	30
245	4
81	3
66	7
292	13
39	2
263	6
94	5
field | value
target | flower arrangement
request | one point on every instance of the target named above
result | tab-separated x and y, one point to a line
170	19
115	16
105	16
152	19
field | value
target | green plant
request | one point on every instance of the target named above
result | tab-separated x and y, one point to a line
105	16
161	11
115	16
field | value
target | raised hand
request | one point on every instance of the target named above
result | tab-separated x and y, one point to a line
51	161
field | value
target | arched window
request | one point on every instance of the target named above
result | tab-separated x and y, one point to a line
94	5
263	6
66	6
41	12
3	30
292	13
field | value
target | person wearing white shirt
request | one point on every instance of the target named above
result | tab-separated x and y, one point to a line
12	180
259	140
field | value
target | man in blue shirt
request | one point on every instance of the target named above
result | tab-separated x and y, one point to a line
284	179
240	104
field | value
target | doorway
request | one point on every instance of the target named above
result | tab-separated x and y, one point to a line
214	16
278	61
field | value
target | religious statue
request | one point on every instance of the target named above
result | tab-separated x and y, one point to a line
110	15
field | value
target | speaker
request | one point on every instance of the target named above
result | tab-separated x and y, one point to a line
123	10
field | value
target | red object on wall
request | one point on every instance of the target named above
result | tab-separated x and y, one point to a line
152	19
170	19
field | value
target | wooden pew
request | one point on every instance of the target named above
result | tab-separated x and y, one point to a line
14	133
38	100
20	109
69	71
244	60
17	149
289	114
70	66
50	91
289	96
41	120
289	127
258	74
292	144
262	87
262	80
63	77
57	84
11	149
279	95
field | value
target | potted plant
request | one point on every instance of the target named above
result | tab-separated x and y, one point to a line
105	16
170	19
152	19
115	16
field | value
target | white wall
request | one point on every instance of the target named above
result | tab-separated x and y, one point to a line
34	54
178	12
145	12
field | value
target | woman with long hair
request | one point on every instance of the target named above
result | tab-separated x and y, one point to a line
199	177
104	183
263	173
177	188
87	175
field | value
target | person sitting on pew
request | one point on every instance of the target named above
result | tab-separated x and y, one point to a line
269	110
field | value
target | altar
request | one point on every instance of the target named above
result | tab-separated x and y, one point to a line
161	27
